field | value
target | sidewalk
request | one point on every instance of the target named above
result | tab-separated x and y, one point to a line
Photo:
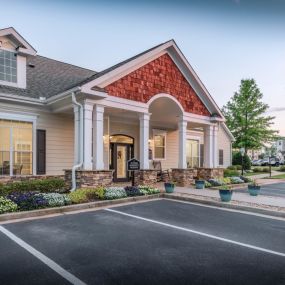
240	199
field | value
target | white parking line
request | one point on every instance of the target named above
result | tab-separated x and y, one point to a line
199	233
47	261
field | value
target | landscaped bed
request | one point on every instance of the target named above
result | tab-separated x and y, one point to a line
47	193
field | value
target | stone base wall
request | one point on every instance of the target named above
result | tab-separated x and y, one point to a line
208	173
183	177
146	177
89	178
19	178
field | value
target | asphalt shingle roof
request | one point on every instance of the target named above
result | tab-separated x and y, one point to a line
48	77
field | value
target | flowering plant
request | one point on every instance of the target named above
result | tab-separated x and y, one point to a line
6	205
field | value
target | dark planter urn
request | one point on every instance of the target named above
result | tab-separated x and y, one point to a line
169	187
200	184
253	190
226	195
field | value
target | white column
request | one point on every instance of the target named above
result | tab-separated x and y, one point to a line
182	127
98	144
76	134
208	147
87	122
144	137
215	147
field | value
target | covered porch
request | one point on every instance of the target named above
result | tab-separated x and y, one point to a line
159	134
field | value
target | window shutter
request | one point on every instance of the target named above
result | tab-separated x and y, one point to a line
201	155
221	157
41	152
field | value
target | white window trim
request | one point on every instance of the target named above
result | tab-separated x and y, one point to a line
196	138
7	83
156	132
24	118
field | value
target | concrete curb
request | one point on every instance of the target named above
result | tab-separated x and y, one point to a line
106	203
210	202
73	208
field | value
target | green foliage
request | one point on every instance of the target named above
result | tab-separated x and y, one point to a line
245	117
207	184
257	169
115	193
55	199
37	185
6	206
237	160
282	168
85	195
226	180
229	173
148	190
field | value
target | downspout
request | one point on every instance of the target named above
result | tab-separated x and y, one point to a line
80	142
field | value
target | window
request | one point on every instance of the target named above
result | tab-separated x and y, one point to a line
221	157
16	147
159	146
8	66
192	153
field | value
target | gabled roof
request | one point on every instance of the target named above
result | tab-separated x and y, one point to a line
109	69
23	46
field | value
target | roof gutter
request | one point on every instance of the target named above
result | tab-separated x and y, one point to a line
62	95
80	141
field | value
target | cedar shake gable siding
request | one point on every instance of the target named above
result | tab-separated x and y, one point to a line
158	76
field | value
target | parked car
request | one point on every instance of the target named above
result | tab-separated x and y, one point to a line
274	161
256	162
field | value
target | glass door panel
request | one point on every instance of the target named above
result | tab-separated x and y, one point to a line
192	153
121	168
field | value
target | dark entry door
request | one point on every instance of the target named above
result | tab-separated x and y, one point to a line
120	154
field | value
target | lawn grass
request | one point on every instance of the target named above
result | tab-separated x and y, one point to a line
279	176
254	173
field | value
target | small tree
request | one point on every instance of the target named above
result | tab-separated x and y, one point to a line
237	160
245	116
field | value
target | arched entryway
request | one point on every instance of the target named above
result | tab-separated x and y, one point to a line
121	150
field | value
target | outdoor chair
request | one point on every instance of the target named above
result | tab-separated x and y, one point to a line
161	174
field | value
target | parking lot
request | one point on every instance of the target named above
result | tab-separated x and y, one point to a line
154	242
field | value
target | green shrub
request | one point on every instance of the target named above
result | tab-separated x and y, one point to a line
229	173
148	190
237	160
37	185
257	169
85	195
207	184
239	167
226	180
115	193
232	167
265	169
6	206
282	168
55	199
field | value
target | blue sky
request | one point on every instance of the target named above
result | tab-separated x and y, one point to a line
224	40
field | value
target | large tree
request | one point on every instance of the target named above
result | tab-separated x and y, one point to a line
246	117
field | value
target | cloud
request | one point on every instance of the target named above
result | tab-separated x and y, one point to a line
276	109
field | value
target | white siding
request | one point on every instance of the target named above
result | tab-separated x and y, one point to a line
59	141
224	143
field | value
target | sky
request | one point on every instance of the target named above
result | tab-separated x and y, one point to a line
224	40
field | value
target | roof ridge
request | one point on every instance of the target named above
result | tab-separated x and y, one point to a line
106	70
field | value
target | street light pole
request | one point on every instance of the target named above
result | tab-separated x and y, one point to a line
242	152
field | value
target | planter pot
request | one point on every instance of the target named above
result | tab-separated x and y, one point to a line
200	184
253	190
226	195
169	187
